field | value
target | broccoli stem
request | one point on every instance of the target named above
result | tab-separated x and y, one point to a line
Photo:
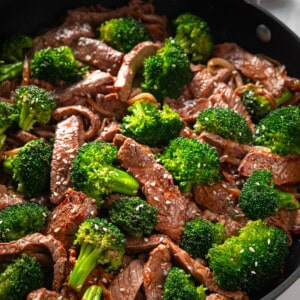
286	95
26	120
10	71
86	262
2	140
288	201
93	292
7	165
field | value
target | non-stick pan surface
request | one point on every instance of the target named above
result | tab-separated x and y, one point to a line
230	20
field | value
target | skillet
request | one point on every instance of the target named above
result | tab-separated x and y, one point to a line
230	21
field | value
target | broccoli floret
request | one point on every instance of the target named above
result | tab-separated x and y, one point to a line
199	235
191	162
56	64
22	219
224	122
134	215
257	102
93	292
20	277
10	71
93	172
35	104
180	286
14	48
9	115
30	168
123	33
100	243
279	131
167	72
259	198
194	36
250	261
149	125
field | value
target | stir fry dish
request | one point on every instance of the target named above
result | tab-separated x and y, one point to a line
140	159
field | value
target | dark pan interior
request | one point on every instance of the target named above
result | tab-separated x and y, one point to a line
230	20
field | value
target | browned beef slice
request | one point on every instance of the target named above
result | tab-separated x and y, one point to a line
37	244
155	272
221	198
66	217
69	136
285	169
157	185
215	296
98	54
93	83
109	131
254	67
63	35
44	294
9	197
128	281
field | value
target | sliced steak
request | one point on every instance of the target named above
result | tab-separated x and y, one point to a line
146	244
109	131
157	185
69	136
126	284
66	217
93	83
285	169
38	245
155	272
98	54
132	62
9	197
44	294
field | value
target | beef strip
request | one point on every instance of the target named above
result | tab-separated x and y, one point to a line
109	131
98	54
128	281
93	83
69	136
215	296
285	169
37	245
9	197
66	217
157	185
146	244
155	272
44	294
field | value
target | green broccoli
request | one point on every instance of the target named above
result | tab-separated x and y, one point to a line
100	243
123	33
93	292
191	162
56	64
149	125
10	71
259	199
20	277
258	104
180	286
35	104
167	72
14	48
134	215
30	168
279	131
199	235
194	36
224	122
94	173
9	115
250	261
22	219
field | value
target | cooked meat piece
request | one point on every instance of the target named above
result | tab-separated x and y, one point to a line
215	296
155	272
69	136
93	83
63	112
65	34
128	281
98	54
44	294
285	169
109	131
221	198
193	211
255	67
9	197
37	245
66	217
7	87
157	186
232	226
132	62
24	136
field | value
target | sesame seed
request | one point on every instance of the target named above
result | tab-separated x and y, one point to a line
251	249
